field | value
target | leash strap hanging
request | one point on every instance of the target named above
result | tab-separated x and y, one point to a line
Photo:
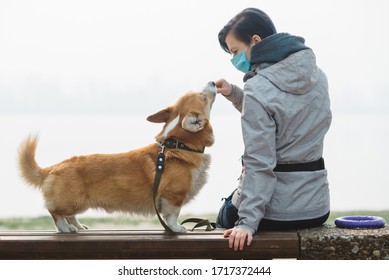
200	223
160	166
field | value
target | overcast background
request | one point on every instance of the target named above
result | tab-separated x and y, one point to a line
85	74
104	57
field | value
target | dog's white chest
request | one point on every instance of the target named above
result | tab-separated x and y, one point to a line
199	177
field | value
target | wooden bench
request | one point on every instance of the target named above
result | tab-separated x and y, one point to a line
327	242
150	244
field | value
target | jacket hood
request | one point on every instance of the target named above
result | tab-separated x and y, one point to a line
297	74
286	61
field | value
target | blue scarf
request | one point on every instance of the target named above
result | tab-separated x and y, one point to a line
276	47
273	49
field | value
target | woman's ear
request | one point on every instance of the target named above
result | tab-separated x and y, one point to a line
256	39
161	116
194	122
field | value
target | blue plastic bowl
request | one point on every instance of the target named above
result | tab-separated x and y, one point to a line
360	222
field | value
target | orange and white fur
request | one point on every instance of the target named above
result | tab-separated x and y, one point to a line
123	182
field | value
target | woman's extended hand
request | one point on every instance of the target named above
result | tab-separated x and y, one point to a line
237	237
223	87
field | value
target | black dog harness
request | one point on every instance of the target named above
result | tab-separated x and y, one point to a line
160	166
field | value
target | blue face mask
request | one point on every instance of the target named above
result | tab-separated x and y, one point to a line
241	62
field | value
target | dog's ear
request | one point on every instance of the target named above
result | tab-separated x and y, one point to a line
194	122
161	116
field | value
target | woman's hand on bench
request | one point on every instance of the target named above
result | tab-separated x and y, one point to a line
237	237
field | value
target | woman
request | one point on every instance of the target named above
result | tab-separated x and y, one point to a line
286	113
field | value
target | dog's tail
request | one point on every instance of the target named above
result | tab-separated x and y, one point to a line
29	169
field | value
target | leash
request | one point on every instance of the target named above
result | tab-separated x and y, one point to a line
200	223
160	167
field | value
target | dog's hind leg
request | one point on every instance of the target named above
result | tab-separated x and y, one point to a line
62	224
72	220
170	214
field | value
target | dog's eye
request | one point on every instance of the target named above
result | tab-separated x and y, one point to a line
204	98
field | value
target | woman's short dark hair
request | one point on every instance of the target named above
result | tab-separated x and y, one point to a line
246	24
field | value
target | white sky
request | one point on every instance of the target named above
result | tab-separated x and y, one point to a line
118	56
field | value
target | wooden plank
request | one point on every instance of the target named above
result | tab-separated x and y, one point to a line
124	244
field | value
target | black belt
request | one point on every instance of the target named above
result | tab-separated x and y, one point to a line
306	166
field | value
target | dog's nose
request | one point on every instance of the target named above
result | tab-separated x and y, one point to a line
210	87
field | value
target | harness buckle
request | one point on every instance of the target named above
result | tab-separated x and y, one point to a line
160	164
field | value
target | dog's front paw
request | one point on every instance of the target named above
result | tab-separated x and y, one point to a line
69	228
178	229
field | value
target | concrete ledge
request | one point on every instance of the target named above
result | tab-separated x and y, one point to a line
332	243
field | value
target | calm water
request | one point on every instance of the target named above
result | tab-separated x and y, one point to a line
356	157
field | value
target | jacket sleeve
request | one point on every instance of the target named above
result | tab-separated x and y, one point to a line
236	97
259	136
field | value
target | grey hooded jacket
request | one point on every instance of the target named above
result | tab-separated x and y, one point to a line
286	113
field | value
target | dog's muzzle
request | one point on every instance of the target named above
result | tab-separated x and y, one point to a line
210	91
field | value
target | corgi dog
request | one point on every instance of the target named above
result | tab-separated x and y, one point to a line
124	182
